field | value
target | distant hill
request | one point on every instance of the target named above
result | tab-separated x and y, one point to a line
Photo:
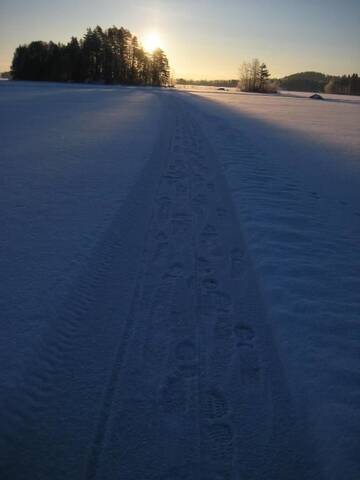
305	82
319	82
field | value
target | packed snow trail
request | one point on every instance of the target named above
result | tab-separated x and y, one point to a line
161	363
201	389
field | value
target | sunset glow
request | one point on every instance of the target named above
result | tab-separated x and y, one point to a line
152	42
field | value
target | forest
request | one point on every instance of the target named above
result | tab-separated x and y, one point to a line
319	82
111	56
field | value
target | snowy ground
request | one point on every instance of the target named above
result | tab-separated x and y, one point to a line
180	284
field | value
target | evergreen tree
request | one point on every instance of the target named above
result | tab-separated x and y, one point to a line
264	76
74	62
19	63
160	72
134	57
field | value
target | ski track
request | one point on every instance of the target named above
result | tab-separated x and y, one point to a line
191	386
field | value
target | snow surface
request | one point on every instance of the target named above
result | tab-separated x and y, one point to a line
180	284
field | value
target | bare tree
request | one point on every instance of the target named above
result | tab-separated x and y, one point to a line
245	77
254	77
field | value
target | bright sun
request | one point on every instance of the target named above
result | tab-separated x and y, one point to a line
152	42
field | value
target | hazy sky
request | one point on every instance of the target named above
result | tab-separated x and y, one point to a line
204	38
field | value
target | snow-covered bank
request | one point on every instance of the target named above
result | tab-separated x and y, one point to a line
333	120
180	278
293	166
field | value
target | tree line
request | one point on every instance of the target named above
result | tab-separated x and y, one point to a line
112	56
209	83
319	82
255	77
345	85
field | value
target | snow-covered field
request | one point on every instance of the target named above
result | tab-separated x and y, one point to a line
180	284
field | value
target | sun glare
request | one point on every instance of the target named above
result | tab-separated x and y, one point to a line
152	42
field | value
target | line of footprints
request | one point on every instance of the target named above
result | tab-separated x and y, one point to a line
179	390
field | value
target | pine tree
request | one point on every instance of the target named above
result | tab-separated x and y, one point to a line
74	61
160	68
264	76
134	67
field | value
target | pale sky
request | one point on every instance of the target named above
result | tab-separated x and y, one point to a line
203	38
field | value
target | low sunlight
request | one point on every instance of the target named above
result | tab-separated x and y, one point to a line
152	42
179	240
